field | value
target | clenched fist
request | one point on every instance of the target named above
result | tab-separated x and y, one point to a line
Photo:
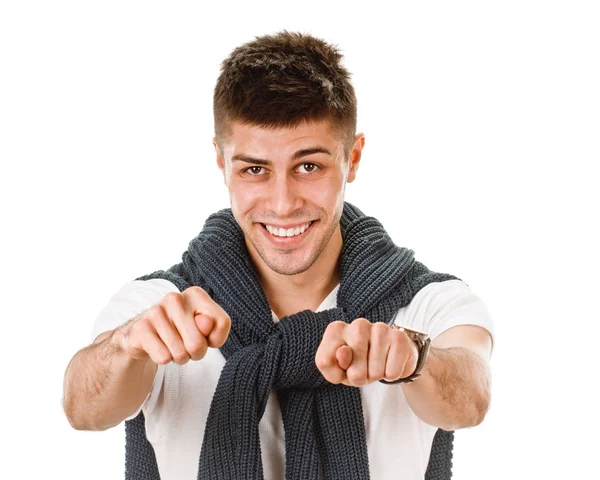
362	352
178	328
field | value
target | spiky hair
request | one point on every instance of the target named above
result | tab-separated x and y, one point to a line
281	80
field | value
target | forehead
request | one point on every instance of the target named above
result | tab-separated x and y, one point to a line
253	140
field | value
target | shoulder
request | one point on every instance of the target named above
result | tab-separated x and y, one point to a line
440	305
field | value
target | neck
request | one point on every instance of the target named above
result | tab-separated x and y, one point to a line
289	294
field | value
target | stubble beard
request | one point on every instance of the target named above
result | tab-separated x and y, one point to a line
281	262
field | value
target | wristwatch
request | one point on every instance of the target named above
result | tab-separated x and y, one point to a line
423	341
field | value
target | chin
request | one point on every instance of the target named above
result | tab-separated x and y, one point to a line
291	263
288	269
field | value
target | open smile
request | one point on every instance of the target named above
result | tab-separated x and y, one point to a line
275	237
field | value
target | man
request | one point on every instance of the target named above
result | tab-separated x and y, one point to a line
309	382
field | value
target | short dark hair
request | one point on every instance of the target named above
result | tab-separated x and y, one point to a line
282	80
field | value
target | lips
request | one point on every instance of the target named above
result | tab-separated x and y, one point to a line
288	241
294	230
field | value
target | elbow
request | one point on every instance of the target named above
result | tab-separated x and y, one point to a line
82	425
482	411
67	407
76	425
482	401
75	421
482	406
78	421
468	418
479	410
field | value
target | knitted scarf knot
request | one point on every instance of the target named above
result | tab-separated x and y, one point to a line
287	359
323	423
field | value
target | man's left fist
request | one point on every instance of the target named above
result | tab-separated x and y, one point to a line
362	352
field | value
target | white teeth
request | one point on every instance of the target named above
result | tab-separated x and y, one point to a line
290	232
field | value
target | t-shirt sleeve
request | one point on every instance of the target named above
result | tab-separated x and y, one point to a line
130	300
442	305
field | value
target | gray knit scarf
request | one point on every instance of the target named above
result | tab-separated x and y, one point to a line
323	422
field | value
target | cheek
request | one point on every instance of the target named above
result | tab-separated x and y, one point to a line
329	192
245	196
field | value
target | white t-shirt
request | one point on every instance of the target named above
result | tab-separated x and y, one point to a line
398	442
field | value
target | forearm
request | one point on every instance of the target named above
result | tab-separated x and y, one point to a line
453	390
102	385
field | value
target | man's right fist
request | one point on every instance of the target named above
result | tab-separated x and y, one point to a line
181	326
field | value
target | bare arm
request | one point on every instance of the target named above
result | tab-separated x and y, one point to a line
108	381
103	385
454	389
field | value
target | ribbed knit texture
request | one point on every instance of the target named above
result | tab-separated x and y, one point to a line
324	423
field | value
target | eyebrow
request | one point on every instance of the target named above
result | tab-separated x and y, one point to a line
261	161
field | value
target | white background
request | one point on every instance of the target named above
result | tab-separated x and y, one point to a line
482	124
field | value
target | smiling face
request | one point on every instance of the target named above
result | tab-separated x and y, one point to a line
286	179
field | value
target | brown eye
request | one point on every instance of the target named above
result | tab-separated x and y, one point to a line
253	171
311	168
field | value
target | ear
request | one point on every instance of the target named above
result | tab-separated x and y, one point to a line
355	155
220	161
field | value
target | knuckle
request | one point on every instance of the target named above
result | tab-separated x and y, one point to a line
180	357
137	330
162	359
358	376
396	370
218	342
195	291
171	297
380	328
333	376
377	373
398	337
137	327
131	341
393	371
363	322
178	353
154	315
322	362
197	350
195	346
411	363
361	327
171	302
335	327
225	334
153	312
198	355
225	322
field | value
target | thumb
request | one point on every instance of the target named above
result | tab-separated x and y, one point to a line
205	324
343	355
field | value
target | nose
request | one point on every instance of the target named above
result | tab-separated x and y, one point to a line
283	198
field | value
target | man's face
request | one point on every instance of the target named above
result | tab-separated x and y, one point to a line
291	178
